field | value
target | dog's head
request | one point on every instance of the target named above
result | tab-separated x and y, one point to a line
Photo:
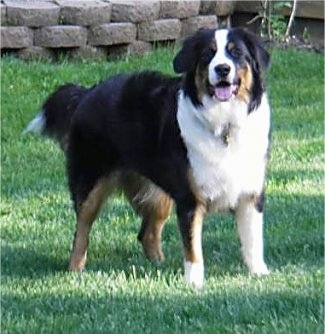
223	65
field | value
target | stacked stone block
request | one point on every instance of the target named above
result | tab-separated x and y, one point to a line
97	29
84	13
135	11
32	14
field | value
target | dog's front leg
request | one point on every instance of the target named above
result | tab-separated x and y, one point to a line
249	215
190	218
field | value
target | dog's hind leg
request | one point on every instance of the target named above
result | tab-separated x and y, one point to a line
87	208
154	206
154	213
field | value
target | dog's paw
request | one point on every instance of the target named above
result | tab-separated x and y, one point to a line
259	269
77	263
194	273
153	253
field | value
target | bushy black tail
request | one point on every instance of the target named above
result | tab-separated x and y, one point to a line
55	117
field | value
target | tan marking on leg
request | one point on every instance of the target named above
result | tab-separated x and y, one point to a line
78	255
86	214
154	206
194	253
155	215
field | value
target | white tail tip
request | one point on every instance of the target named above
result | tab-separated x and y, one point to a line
36	125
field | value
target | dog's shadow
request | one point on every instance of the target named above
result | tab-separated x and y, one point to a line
286	242
21	261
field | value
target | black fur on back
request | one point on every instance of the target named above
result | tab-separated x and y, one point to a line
128	121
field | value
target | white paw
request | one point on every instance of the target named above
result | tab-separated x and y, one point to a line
259	269
194	273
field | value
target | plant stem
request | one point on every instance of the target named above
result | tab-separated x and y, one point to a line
293	12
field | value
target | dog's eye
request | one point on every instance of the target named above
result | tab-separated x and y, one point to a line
235	52
207	55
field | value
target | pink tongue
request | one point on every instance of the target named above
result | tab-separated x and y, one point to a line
223	93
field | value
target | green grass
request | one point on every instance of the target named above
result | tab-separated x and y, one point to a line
122	292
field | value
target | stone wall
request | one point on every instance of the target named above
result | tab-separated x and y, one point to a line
97	29
101	29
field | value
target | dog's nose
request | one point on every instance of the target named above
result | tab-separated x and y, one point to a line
222	70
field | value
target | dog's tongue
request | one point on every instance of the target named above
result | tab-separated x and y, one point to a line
223	93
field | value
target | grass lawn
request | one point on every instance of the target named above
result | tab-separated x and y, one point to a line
122	292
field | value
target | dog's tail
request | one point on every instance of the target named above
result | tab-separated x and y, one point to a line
57	112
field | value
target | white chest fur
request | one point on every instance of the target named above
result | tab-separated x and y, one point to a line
223	170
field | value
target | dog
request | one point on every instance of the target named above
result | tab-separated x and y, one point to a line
199	140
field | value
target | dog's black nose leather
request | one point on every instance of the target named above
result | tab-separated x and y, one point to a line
222	70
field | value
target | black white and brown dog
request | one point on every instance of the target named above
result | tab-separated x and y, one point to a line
200	140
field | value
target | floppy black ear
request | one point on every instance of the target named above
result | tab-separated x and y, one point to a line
255	47
257	50
189	54
262	56
184	59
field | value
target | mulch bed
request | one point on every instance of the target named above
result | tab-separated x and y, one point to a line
298	43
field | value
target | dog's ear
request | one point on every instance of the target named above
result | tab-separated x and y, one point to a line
184	58
187	58
256	49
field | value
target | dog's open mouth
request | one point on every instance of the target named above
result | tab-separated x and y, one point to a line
224	90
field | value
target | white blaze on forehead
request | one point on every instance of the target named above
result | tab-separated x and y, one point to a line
221	37
221	57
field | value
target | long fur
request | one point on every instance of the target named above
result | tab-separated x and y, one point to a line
199	140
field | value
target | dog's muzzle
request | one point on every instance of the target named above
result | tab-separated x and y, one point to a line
223	90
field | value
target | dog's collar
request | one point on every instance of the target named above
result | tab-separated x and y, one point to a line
225	134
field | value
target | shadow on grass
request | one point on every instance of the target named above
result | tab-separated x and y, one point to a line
294	235
22	262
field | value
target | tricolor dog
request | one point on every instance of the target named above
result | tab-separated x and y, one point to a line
199	140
